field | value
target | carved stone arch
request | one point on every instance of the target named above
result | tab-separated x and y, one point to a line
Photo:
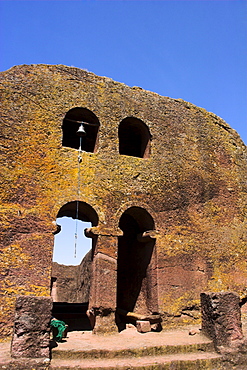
124	207
143	218
85	212
71	285
67	204
134	138
71	123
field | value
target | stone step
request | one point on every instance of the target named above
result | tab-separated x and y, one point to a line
96	353
182	361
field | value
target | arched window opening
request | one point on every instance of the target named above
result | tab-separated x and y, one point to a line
136	285
71	277
134	138
71	123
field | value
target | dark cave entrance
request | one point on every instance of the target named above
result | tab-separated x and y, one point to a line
70	284
136	264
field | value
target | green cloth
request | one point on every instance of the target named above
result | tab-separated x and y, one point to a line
61	326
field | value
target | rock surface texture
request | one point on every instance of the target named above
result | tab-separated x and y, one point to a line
71	284
31	336
162	182
221	319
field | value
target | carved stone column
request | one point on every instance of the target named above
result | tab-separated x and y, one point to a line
103	291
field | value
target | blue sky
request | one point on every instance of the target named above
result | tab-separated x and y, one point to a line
69	250
193	50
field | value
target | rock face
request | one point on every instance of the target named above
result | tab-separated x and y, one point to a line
162	182
31	327
71	284
221	319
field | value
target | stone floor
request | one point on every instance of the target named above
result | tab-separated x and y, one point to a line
130	349
130	338
95	351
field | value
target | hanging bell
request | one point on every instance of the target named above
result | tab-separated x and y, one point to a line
81	131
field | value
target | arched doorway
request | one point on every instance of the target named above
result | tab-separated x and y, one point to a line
70	284
136	264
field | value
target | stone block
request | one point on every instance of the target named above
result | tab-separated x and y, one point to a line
221	319
31	327
105	323
103	288
143	326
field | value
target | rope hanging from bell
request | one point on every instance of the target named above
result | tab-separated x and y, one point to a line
76	226
80	132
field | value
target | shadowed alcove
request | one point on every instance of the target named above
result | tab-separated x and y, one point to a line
135	281
71	123
134	138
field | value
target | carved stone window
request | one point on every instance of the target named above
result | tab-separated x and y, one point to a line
134	138
71	124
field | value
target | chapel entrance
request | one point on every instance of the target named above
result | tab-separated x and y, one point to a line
136	264
70	284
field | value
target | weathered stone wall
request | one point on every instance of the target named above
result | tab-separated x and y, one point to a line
193	185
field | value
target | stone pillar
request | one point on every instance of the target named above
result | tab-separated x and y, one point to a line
148	238
221	319
31	334
103	291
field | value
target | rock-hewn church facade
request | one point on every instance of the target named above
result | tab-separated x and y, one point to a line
162	182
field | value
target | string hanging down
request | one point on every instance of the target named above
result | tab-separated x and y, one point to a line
76	226
81	132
